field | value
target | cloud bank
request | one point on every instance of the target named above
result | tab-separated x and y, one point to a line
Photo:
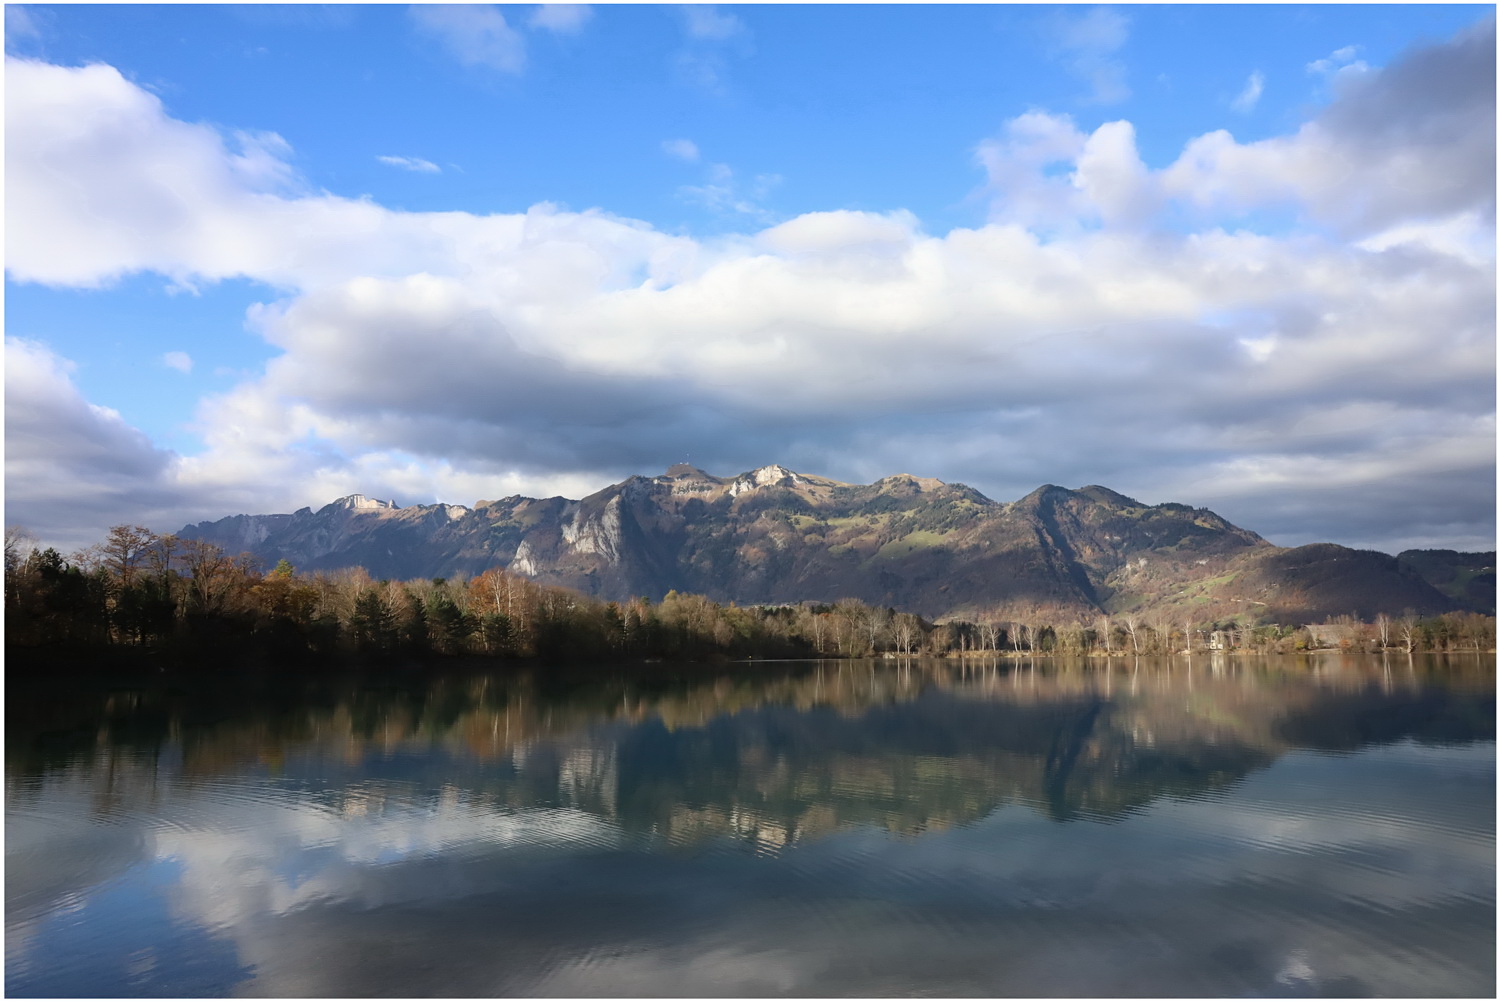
1297	331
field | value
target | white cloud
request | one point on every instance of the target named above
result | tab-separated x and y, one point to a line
262	163
1025	188
1412	144
180	361
1088	45
1464	235
710	35
709	22
1072	339
1112	178
416	164
21	25
323	853
723	192
563	18
682	149
1250	96
73	468
474	34
1337	62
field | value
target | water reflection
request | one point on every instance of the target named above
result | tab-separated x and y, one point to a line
866	827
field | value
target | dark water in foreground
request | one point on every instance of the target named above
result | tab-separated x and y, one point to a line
1281	827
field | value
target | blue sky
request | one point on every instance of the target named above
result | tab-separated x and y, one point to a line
853	240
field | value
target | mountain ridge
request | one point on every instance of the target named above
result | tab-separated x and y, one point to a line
773	535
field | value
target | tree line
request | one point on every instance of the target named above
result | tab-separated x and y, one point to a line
140	589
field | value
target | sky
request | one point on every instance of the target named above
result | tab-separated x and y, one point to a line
259	257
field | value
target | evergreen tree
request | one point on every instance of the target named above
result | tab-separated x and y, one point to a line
373	623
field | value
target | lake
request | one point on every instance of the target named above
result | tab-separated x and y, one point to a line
1220	826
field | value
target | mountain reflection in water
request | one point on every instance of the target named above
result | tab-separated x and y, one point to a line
795	829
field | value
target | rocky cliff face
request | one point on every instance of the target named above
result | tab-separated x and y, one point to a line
773	535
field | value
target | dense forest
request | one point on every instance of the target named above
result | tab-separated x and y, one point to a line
188	598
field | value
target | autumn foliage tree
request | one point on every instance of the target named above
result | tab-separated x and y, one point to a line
137	589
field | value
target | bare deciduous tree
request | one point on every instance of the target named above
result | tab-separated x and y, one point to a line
1408	631
124	549
907	630
1105	629
211	575
990	631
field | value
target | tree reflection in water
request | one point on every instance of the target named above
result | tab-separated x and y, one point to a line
775	752
989	828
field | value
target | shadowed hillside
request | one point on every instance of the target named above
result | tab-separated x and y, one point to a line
1467	579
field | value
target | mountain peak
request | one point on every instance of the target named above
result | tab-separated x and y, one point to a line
908	482
359	503
1042	493
773	474
1106	496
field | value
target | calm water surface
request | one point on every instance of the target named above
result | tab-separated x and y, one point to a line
1225	827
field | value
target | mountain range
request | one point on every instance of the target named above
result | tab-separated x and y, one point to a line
773	536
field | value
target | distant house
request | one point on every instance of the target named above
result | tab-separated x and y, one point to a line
1333	635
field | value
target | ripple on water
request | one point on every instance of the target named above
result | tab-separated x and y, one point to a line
233	806
55	854
1409	948
910	873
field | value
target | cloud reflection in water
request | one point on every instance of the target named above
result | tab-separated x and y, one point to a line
853	828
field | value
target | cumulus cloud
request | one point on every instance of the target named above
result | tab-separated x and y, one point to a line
474	34
1331	377
180	361
72	469
1024	186
71	466
1413	144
